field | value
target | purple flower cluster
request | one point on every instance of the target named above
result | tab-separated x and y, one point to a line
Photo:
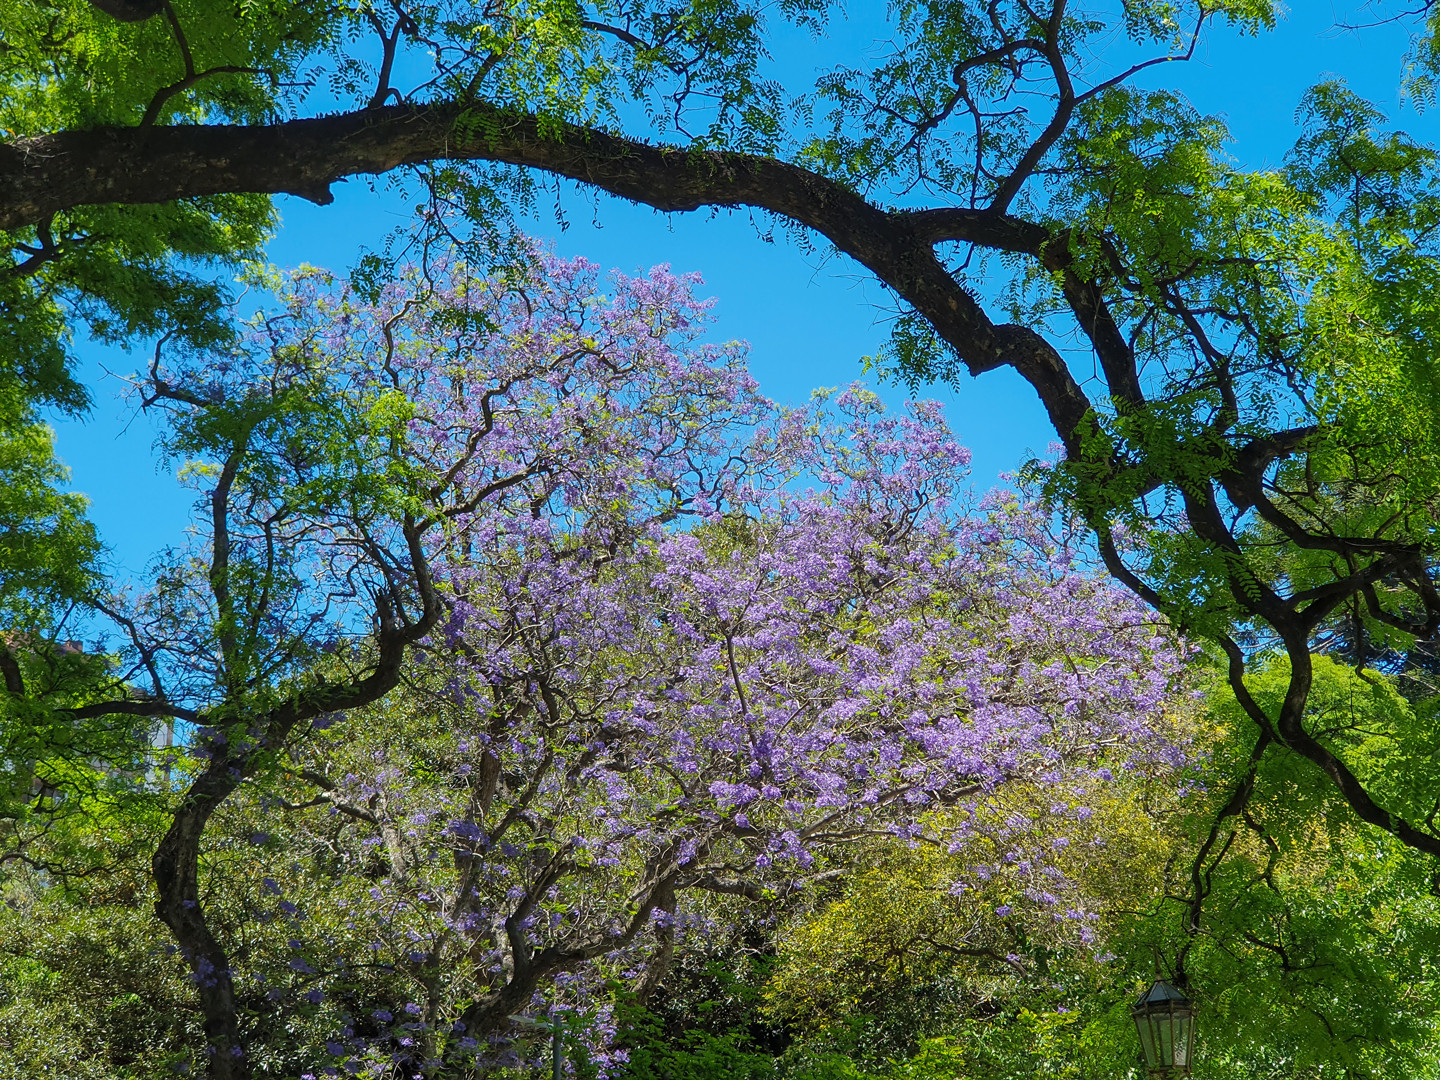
695	641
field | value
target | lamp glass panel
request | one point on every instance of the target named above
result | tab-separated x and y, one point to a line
1183	1033
1147	1040
1164	1040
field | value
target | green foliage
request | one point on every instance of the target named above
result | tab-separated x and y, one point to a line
656	1054
1323	930
48	550
1313	955
90	992
1314	959
875	131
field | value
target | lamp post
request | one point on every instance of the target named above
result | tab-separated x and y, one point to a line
1165	1019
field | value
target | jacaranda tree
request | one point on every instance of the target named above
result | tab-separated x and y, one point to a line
628	723
661	640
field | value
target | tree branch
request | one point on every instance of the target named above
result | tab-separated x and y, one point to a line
165	93
304	157
1064	108
132	708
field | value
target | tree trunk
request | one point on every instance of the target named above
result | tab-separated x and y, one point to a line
177	877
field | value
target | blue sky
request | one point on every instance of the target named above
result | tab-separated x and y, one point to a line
809	318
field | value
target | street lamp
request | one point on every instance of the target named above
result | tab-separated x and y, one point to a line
1166	1020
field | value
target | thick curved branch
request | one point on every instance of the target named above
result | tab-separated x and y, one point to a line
1005	232
389	39
1294	735
305	157
1259	453
1002	232
47	252
1419	630
1087	301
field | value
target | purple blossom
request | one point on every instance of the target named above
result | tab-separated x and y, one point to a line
687	627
